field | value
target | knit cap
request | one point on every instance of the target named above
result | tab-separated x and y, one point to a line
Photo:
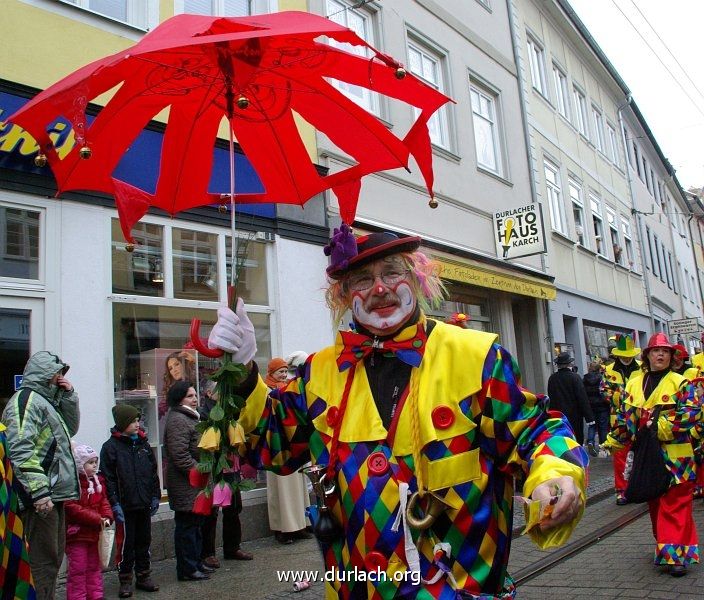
82	453
275	364
124	414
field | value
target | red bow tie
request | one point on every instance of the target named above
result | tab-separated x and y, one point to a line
352	346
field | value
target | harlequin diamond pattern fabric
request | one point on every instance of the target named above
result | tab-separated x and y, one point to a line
15	573
493	429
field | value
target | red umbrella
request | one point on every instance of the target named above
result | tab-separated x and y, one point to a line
255	72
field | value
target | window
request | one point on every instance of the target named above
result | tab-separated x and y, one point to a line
19	243
185	268
660	272
616	247
627	241
132	12
427	66
631	149
562	91
598	129
226	8
358	20
486	129
694	290
140	272
667	260
650	254
578	211
597	223
644	173
536	57
554	194
485	4
614	153
636	157
580	104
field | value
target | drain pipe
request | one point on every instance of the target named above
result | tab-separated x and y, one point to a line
518	59
639	224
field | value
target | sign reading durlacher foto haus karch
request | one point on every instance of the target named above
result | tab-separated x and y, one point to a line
519	231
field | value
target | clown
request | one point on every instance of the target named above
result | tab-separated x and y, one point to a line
616	375
420	428
659	386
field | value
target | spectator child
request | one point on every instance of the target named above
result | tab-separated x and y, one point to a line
133	489
84	519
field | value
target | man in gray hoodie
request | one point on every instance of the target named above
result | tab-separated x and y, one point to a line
41	418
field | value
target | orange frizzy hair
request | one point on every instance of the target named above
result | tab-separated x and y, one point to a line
425	282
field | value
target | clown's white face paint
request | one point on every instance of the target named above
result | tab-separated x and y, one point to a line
382	310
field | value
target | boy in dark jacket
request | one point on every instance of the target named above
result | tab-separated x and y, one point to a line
129	467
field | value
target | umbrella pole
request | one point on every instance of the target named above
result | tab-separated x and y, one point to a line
232	298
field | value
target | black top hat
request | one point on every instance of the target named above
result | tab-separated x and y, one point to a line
563	359
347	253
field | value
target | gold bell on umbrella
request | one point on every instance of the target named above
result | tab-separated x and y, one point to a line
222	208
40	160
129	247
210	440
242	102
85	152
400	73
433	203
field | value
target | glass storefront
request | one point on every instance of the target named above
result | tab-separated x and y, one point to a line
598	340
182	268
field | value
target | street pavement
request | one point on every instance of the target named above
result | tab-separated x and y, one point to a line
618	567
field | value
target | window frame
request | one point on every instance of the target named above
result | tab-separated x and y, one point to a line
132	7
598	120
562	91
554	193
596	208
496	126
614	148
578	209
442	115
538	68
614	233
627	235
368	100
581	114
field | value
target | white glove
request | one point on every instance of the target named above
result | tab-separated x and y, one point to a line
234	333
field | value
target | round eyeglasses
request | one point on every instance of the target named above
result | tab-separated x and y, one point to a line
364	281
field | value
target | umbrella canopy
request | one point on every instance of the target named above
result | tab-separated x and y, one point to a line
255	72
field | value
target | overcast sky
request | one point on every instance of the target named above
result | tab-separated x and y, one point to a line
660	90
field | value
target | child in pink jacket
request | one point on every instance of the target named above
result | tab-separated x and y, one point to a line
84	519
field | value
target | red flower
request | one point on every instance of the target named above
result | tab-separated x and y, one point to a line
203	504
198	479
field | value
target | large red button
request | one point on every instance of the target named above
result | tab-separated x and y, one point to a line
333	416
377	463
375	560
443	417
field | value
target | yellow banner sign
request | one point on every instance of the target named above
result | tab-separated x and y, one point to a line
490	279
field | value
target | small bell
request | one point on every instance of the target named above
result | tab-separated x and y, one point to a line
400	73
40	160
222	209
433	203
129	247
85	152
242	102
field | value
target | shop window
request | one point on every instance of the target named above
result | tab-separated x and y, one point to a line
475	306
149	354
600	339
140	272
19	243
250	268
195	264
